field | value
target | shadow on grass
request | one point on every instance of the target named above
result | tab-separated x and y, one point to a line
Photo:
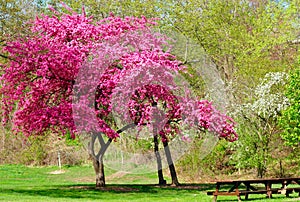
115	191
112	190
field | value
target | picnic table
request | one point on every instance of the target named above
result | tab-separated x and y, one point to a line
236	188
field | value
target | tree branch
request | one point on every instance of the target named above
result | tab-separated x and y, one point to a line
4	56
126	127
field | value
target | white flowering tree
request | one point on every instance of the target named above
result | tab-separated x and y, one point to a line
258	123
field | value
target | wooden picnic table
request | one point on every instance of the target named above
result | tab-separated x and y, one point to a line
249	187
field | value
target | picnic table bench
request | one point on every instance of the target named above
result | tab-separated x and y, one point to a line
237	190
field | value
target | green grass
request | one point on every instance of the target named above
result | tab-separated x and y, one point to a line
21	183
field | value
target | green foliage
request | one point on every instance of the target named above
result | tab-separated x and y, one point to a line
16	149
244	41
253	151
131	144
206	159
14	15
218	160
34	153
238	36
102	8
72	141
290	119
196	82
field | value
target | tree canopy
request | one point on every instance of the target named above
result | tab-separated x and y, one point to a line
44	66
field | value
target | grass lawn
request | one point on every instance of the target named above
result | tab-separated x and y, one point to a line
21	183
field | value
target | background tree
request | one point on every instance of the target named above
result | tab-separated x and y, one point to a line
289	121
101	9
13	18
244	40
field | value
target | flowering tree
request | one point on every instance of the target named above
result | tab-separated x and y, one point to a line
67	76
258	123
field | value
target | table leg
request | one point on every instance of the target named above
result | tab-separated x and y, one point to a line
239	198
283	188
216	192
237	191
248	189
268	188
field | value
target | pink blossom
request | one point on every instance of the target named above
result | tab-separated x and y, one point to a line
132	64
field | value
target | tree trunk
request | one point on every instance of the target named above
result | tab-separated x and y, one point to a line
99	170
98	158
171	165
161	180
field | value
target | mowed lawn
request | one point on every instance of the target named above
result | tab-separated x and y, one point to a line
21	183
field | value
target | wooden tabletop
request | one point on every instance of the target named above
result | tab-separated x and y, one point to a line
259	180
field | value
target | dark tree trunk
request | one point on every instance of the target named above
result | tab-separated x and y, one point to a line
171	165
99	170
161	180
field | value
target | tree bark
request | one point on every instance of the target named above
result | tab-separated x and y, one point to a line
98	158
161	180
171	165
99	170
